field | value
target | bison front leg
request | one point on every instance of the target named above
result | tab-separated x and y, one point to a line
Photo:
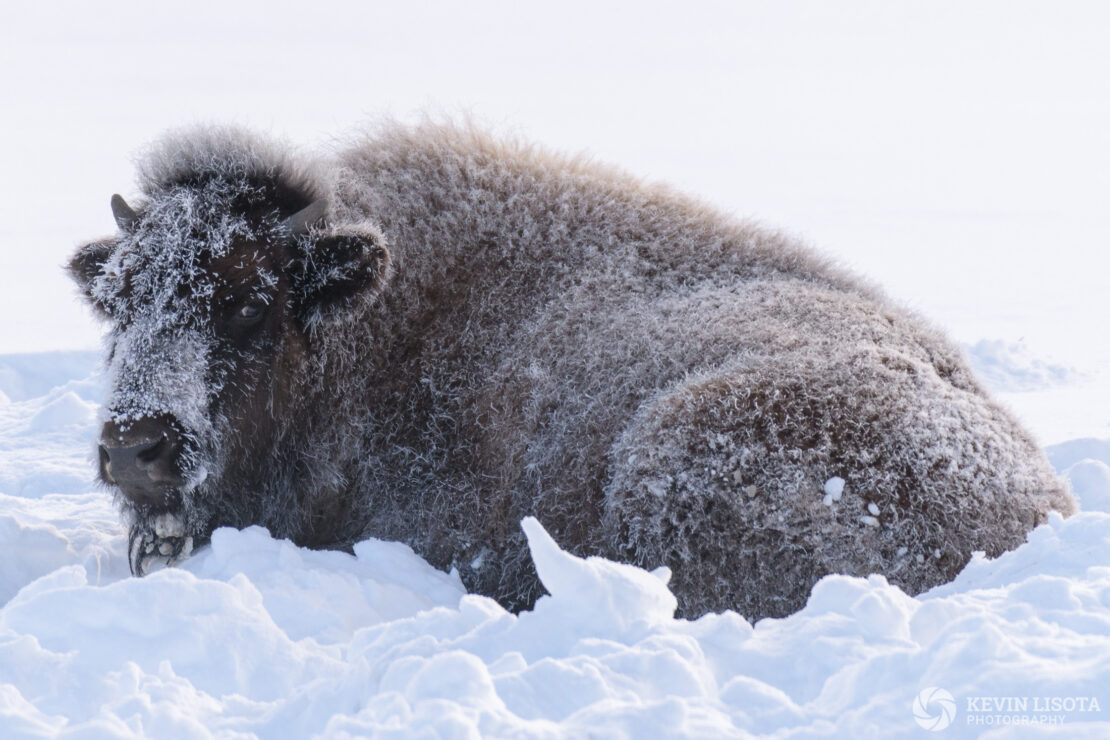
730	479
158	540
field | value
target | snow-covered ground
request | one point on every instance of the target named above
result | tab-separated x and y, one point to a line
254	636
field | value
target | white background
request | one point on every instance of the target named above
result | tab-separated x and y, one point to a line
955	152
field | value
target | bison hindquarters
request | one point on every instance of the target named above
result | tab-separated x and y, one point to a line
722	478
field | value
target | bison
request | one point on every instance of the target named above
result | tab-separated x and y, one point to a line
433	333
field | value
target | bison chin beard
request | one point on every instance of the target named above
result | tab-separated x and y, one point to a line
164	535
158	540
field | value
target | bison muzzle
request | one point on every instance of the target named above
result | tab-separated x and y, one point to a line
141	459
431	334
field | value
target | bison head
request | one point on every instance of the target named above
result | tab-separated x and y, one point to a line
214	290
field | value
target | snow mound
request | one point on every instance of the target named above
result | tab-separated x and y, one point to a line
1066	454
65	410
255	637
27	376
623	597
1011	367
1090	482
301	588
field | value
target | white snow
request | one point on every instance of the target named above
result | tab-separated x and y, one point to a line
1013	367
834	489
256	637
1090	481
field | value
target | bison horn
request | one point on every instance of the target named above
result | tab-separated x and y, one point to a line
125	217
298	223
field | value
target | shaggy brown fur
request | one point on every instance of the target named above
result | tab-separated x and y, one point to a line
656	382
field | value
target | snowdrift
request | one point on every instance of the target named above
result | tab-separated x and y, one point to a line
256	637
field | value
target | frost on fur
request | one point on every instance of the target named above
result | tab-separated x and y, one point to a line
465	332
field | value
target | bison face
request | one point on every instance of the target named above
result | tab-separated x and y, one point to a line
213	301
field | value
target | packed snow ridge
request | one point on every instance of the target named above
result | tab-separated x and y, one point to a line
253	636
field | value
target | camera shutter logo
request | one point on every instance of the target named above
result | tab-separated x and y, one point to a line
934	709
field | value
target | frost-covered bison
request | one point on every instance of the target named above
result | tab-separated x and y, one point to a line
433	334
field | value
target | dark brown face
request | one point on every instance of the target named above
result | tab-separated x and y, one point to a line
243	335
211	312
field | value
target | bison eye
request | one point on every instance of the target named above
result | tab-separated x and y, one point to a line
249	313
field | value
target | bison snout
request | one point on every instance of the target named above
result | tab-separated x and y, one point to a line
141	458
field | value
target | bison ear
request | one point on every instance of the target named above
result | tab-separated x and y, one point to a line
339	268
87	263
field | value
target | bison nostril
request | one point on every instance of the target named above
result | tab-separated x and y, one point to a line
150	455
106	465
